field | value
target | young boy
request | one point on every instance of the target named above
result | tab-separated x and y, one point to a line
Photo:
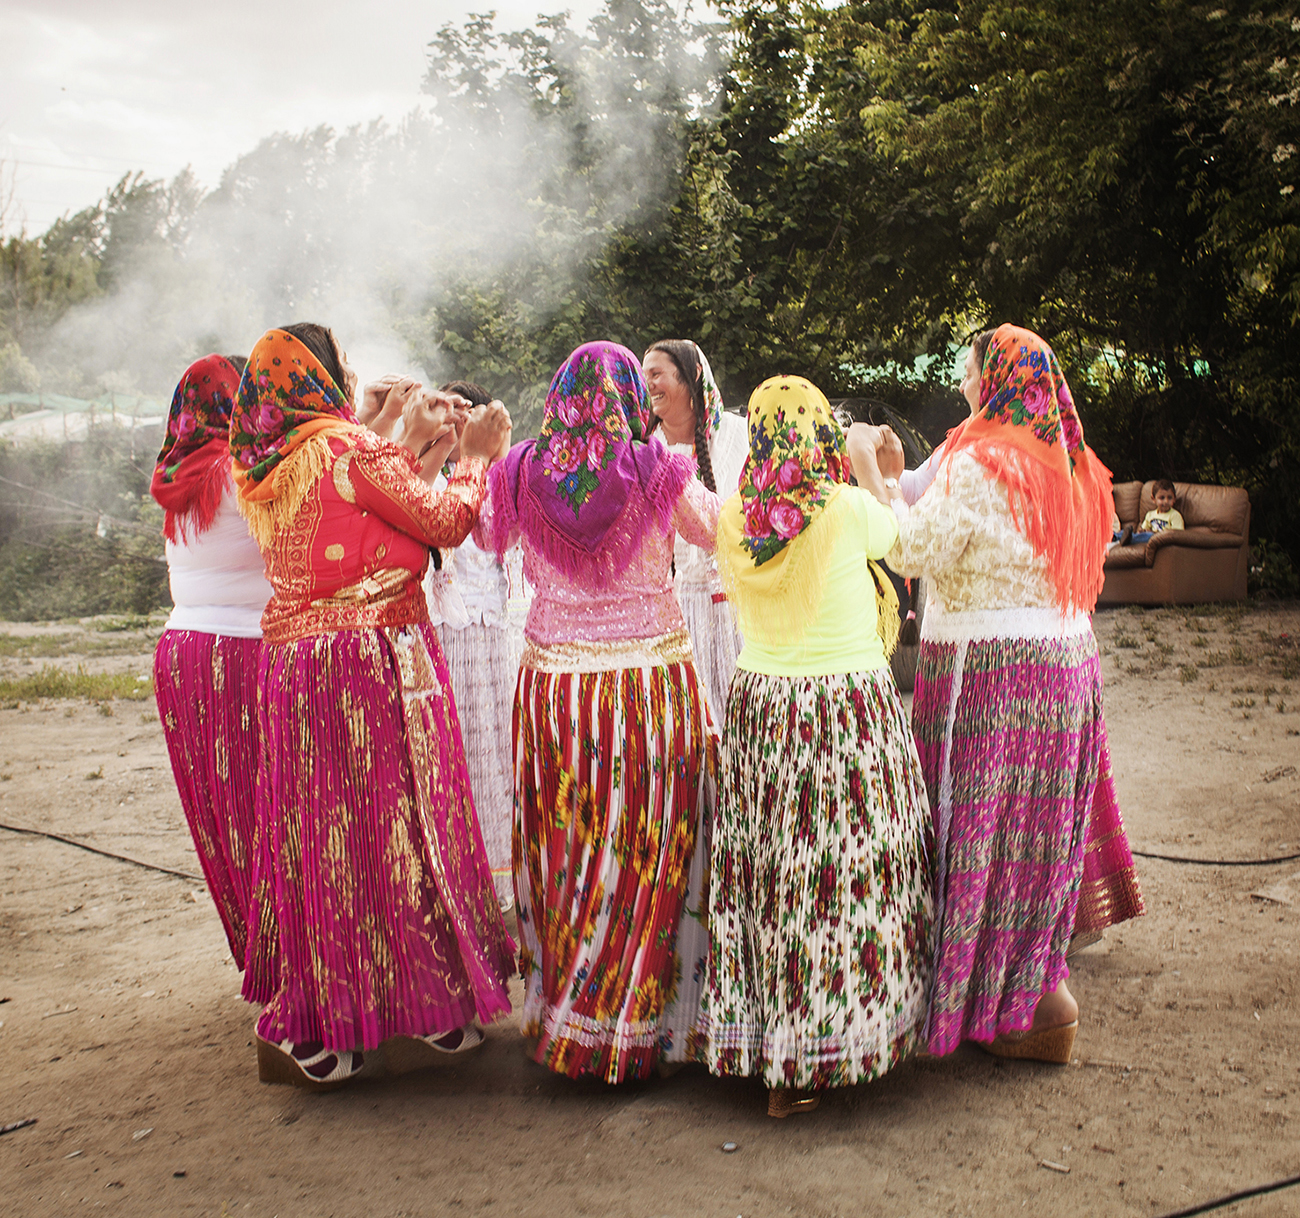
1163	516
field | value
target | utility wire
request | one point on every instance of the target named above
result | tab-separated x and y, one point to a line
1173	858
1233	1198
108	854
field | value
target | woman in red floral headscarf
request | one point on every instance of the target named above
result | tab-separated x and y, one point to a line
373	883
205	665
1008	710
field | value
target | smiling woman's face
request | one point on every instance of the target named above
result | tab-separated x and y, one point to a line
670	398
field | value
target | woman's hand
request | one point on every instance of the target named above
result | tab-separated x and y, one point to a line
428	417
384	402
487	433
889	454
863	443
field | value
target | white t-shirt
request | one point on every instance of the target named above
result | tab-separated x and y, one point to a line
218	579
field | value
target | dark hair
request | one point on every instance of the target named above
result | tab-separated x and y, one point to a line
320	341
468	389
237	362
1163	484
980	345
686	358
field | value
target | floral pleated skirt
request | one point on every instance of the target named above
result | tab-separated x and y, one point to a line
484	667
206	688
609	767
1008	720
372	872
820	905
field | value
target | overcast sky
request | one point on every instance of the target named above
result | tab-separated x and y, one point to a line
90	89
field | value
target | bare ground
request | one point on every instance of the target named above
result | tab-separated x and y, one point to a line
122	1031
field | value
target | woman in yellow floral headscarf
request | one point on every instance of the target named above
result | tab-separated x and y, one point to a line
821	902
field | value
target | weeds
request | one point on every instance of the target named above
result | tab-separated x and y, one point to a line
1188	673
51	682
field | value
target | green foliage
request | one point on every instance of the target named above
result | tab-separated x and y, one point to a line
51	682
55	502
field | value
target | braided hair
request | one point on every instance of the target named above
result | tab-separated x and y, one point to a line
686	358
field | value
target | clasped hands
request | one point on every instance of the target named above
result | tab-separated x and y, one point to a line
435	425
874	448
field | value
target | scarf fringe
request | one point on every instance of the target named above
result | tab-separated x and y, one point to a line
191	499
573	560
1066	520
293	480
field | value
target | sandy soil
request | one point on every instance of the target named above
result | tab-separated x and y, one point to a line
121	1028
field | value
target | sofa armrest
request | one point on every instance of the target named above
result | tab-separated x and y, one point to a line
1196	538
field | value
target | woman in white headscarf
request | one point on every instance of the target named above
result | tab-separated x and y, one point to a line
689	415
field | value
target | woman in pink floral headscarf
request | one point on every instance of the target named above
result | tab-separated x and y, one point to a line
610	731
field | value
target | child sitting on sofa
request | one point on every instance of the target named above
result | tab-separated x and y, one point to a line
1161	517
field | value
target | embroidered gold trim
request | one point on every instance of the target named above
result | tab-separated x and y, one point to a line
671	648
342	478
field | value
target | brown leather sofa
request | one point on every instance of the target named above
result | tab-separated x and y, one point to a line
1206	561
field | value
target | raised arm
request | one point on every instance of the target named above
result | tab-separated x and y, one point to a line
385	479
695	515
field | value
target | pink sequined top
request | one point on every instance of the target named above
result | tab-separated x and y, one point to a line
640	603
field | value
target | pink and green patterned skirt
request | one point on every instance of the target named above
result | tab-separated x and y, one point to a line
372	874
821	901
206	688
1008	720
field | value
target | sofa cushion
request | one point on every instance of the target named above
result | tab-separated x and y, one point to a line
1127	495
1121	557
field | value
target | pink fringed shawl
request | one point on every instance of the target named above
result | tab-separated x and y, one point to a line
569	488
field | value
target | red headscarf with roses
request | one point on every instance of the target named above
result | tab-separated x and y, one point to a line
590	462
791	481
1026	433
193	467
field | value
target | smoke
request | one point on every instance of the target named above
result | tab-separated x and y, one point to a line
527	154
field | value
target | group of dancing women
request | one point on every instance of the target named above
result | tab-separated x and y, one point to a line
690	779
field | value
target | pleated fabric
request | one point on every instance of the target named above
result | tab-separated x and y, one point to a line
821	895
379	885
715	641
1010	733
1109	892
608	769
484	665
206	689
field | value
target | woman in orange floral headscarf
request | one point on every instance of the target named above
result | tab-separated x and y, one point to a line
1007	709
372	880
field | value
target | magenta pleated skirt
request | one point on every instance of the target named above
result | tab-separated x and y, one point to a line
1012	740
206	688
372	876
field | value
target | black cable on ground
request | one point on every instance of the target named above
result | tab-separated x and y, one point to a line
1233	1198
108	854
1173	858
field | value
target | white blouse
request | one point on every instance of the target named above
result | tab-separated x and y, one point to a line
218	580
728	449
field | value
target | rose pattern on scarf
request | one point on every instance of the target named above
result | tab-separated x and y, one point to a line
793	464
597	402
1024	386
283	387
200	413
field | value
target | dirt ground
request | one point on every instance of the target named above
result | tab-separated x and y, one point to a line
122	1031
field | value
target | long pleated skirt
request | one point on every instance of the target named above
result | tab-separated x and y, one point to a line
484	667
608	773
206	689
715	642
821	895
1008	720
377	883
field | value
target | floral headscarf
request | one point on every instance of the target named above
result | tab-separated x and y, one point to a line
569	486
288	407
712	397
1026	433
193	464
793	476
